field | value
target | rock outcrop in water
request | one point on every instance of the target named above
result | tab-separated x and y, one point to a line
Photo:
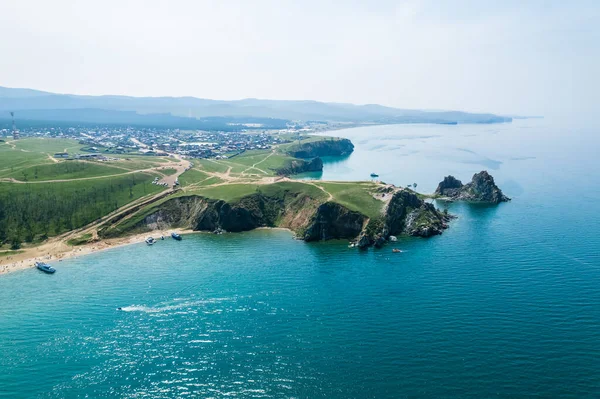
322	148
297	166
482	188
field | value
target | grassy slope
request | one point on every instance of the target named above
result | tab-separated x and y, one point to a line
30	210
212	166
13	160
63	170
197	178
260	163
50	146
21	159
354	196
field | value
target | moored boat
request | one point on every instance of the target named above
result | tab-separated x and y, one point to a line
176	236
150	240
46	268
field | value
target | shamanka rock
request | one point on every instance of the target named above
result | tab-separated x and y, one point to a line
482	188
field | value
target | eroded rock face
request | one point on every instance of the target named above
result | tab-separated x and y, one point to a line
482	188
334	221
363	240
402	203
316	222
449	187
408	214
301	166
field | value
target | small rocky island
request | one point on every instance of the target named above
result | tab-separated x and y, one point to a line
482	188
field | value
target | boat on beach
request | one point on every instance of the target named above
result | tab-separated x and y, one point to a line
176	236
150	240
46	268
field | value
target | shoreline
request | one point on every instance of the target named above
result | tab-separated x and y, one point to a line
56	251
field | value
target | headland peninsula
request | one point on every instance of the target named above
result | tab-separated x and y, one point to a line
57	201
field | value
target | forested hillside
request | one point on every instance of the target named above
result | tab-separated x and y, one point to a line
31	212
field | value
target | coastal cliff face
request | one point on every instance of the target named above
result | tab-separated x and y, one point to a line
311	219
482	188
332	220
408	214
301	166
405	214
323	148
204	214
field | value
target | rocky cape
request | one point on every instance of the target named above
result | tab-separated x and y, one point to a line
482	188
404	212
310	219
297	166
322	148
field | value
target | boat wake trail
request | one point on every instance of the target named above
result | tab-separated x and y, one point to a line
184	305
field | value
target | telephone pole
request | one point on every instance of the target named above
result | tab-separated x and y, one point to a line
15	132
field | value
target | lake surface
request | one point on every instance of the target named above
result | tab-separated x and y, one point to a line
506	303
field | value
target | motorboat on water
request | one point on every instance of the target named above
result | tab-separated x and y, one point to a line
150	240
374	175
46	268
176	236
396	250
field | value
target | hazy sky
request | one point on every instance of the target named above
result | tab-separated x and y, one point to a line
510	57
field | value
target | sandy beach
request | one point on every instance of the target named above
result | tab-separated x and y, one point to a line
57	250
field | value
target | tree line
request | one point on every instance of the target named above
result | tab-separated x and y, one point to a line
30	214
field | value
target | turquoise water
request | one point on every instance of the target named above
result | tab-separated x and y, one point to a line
506	303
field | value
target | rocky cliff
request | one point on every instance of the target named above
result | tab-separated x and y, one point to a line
205	214
322	148
482	188
311	219
332	220
408	214
405	214
297	166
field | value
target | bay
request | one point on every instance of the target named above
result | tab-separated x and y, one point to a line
506	303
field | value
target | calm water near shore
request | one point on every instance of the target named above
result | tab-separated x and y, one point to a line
506	303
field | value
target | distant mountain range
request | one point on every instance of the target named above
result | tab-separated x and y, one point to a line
192	112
